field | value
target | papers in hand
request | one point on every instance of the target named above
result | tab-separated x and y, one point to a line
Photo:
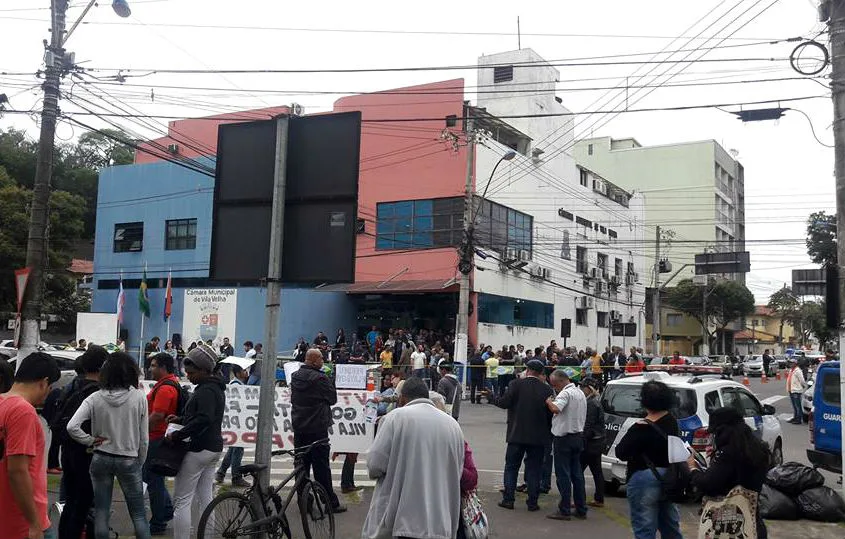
173	427
679	450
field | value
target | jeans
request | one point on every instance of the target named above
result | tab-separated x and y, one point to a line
53	452
104	470
504	381
798	412
533	455
649	512
545	469
76	462
161	506
347	475
195	478
475	384
318	459
570	475
492	385
233	458
423	374
592	459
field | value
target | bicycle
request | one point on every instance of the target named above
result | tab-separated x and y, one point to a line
256	511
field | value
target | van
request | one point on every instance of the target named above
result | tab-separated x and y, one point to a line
825	419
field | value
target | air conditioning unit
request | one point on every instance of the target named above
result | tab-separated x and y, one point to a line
605	275
525	256
614	280
296	109
511	254
173	148
536	271
600	289
586	302
616	316
595	273
547	273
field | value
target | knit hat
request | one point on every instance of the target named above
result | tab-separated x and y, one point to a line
535	365
202	357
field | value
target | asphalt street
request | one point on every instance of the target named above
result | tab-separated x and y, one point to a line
484	427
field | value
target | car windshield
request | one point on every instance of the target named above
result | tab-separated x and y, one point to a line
624	400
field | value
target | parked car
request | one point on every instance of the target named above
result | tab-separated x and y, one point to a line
807	401
753	366
826	419
781	361
696	397
698	360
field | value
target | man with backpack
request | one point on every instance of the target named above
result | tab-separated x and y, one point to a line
165	399
76	458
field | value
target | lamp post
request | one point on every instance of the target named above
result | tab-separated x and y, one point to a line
57	65
467	252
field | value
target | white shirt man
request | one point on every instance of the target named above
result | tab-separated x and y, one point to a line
572	411
418	360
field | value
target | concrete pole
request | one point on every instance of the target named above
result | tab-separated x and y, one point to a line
655	299
267	399
39	216
462	320
837	84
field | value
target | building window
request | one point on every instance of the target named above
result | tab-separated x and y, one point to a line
565	214
612	234
583	177
128	237
501	228
419	224
181	234
601	261
589	149
630	270
601	319
581	265
617	267
602	229
502	74
584	222
674	320
515	312
581	317
565	251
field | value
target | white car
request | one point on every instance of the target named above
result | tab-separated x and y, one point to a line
807	400
697	396
65	359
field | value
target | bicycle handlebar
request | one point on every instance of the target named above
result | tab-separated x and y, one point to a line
299	450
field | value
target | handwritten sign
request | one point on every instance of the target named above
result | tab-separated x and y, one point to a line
350	376
350	432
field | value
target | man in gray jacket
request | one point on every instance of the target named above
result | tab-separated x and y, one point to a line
411	500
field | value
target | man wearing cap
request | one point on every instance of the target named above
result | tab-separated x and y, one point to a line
312	396
570	409
529	420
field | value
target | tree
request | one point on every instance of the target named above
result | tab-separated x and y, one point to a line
726	301
821	238
813	322
786	306
96	150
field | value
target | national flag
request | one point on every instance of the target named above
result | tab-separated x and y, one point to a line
168	298
121	301
143	299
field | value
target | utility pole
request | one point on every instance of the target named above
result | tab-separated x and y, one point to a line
466	255
655	298
267	398
836	25
37	244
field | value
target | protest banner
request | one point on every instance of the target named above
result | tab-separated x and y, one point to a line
350	432
350	376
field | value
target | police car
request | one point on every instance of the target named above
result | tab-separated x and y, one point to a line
697	396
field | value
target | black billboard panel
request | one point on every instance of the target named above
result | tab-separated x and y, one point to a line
714	263
246	156
241	235
809	282
317	236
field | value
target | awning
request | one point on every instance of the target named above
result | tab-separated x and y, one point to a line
393	287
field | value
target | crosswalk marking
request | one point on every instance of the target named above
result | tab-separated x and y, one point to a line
773	399
281	467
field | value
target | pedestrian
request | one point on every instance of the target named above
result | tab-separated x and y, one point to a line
476	377
23	483
492	373
372	337
201	423
570	414
740	459
76	459
234	455
450	388
312	396
528	430
634	366
644	447
150	350
506	369
386	358
593	439
795	386
82	346
411	500
119	439
340	339
767	361
418	362
162	402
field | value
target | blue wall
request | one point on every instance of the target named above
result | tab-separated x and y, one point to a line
154	193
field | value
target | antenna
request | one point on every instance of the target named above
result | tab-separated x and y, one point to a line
518	35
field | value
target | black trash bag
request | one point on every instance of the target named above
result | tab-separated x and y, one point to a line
775	505
822	503
793	478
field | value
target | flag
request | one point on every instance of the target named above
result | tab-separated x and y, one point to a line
168	298
143	299
121	301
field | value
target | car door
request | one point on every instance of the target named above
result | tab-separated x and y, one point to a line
750	408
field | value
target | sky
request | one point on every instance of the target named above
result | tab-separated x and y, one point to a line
788	172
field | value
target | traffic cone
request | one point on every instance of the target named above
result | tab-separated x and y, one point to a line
371	381
764	379
777	374
746	381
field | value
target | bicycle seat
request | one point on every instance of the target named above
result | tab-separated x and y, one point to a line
253	468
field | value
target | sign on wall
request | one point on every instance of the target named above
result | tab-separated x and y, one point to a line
210	313
350	431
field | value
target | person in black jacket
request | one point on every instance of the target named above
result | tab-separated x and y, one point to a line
593	439
312	396
476	377
740	459
201	422
529	429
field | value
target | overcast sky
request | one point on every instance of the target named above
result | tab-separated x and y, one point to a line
788	174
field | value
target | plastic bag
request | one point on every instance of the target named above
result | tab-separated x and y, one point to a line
822	503
776	505
793	478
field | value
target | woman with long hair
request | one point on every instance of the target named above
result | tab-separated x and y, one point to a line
739	459
119	437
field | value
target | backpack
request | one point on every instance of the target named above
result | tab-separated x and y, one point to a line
183	395
676	481
69	404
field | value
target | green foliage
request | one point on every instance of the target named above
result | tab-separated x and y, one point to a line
786	305
726	301
812	321
821	238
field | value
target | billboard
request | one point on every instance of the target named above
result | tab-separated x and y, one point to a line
715	263
210	314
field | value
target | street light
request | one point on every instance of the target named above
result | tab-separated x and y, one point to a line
507	157
121	7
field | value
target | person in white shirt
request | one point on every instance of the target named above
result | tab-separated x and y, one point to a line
570	409
418	362
795	386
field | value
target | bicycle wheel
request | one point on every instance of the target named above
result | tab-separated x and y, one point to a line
226	516
315	507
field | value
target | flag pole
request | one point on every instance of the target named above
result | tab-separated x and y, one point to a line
169	290
119	314
141	337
